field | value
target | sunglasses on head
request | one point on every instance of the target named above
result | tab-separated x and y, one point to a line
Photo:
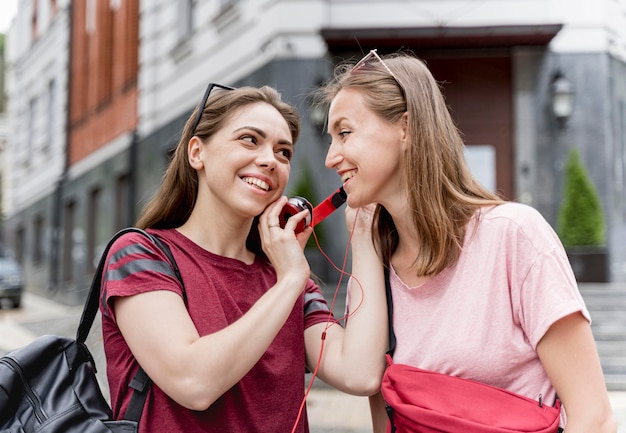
200	110
370	57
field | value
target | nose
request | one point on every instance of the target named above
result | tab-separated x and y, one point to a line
266	157
333	156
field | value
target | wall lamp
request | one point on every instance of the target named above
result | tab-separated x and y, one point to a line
318	109
562	98
317	114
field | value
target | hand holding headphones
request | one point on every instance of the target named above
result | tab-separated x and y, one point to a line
298	204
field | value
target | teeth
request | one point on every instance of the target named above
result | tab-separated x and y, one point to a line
257	182
347	175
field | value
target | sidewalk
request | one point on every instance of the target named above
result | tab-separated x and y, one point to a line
329	410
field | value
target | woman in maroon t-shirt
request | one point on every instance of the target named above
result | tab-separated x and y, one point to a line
232	357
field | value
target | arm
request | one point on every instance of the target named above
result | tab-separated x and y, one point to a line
353	359
194	370
379	413
569	356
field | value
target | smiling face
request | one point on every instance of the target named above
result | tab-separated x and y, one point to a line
245	165
366	150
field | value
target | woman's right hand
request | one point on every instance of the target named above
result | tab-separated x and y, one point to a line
283	247
359	223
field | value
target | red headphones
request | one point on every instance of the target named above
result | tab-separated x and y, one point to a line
298	204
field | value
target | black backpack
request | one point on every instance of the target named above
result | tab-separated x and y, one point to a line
50	385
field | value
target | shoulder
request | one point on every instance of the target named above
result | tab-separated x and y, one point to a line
136	264
514	212
141	240
514	217
134	250
516	222
127	237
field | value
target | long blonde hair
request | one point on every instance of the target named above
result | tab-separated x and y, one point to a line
176	197
443	194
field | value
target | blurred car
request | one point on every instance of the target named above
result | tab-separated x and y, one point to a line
11	281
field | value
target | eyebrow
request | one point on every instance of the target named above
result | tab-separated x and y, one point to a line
262	134
336	123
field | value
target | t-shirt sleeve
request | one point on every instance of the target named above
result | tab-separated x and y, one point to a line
316	308
548	290
135	265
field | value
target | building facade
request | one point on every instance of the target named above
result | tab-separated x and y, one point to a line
38	53
497	61
4	128
102	121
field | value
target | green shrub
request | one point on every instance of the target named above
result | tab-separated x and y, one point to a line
581	218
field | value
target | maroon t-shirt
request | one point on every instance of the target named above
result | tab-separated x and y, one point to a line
219	291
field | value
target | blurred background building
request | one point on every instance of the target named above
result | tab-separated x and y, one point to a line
4	128
98	92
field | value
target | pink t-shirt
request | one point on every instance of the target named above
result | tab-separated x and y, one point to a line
483	318
219	291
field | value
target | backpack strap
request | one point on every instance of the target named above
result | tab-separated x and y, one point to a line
140	382
392	335
93	298
166	250
392	343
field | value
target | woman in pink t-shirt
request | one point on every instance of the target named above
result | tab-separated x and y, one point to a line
227	349
482	288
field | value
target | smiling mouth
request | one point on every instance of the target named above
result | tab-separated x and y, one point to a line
256	182
347	175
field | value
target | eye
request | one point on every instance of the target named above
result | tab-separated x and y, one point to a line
344	133
285	153
249	138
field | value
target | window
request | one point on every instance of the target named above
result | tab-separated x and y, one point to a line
130	51
90	17
184	22
19	245
92	228
68	241
38	233
104	36
620	168
34	31
99	29
51	115
123	210
225	4
227	14
30	139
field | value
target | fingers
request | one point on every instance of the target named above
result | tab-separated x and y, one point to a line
271	217
284	249
304	235
272	233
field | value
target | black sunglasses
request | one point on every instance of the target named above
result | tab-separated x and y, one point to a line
207	92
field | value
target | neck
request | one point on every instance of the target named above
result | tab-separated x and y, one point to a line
405	255
222	236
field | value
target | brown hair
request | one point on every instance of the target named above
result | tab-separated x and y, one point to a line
443	194
176	197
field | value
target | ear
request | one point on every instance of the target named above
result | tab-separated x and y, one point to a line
403	124
195	147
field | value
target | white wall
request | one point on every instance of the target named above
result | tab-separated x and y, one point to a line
223	48
35	170
590	25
